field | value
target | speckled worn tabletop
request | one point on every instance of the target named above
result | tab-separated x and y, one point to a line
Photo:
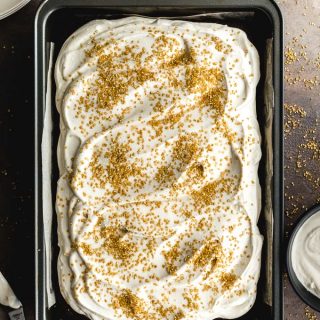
302	124
302	140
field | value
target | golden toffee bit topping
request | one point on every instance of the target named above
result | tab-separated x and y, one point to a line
169	312
115	77
310	315
171	53
228	280
115	245
111	239
132	306
293	116
180	315
85	248
96	49
196	172
192	300
112	86
168	121
185	149
213	190
209	84
209	254
118	171
165	176
290	56
172	257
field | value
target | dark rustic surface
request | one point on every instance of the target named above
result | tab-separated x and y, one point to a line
302	124
302	156
16	154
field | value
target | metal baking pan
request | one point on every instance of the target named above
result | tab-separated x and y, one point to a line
261	20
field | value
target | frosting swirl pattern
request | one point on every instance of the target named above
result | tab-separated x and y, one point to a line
158	198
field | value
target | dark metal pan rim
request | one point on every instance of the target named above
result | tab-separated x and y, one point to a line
270	7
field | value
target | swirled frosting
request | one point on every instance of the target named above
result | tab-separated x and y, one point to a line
158	198
305	254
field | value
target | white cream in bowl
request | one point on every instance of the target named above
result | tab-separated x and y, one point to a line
305	254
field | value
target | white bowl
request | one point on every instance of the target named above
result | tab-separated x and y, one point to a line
8	7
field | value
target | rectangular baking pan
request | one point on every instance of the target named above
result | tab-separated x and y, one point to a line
261	19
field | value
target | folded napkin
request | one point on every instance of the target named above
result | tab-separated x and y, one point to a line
7	297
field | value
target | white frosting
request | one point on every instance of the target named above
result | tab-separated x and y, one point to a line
160	142
306	254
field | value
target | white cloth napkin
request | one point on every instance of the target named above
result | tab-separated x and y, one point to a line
7	297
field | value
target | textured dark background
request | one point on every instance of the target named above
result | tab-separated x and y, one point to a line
302	154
